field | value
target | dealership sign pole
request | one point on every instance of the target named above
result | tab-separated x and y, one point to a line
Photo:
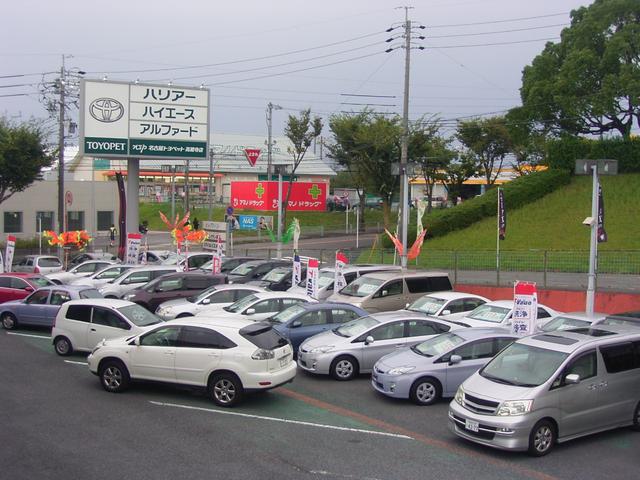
10	250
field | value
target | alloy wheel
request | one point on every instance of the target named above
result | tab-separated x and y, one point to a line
224	391
344	369
543	438
426	392
112	377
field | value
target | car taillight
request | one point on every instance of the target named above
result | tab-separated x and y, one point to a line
36	270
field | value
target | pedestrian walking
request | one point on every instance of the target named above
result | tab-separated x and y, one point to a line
112	234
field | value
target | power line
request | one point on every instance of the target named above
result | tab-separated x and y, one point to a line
498	31
499	21
492	44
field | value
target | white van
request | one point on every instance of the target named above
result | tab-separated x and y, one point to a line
81	324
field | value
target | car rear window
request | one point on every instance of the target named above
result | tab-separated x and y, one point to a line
428	284
49	262
81	313
263	336
139	316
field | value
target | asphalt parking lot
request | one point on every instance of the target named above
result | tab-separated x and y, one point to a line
57	422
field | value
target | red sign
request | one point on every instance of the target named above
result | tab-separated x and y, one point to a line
252	155
264	196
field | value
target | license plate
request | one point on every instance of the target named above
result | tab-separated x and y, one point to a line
284	360
471	425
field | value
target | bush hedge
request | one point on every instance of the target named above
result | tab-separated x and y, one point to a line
563	152
517	193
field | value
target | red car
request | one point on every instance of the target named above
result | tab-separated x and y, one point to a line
16	286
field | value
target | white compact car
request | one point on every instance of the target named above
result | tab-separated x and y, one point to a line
254	307
219	295
498	314
84	269
81	324
449	305
134	278
102	277
228	361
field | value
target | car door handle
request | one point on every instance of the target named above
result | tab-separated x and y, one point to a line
93	329
168	353
603	384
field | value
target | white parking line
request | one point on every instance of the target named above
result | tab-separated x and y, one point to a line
282	420
76	363
28	335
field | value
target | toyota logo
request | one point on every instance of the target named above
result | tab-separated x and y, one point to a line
106	110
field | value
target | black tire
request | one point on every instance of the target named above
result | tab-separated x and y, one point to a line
114	376
425	391
9	321
542	438
225	389
62	346
344	368
636	418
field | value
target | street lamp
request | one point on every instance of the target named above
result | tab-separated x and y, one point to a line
270	108
281	169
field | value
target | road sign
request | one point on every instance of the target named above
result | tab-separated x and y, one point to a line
252	155
214	231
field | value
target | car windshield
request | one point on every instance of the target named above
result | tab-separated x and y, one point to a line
362	287
276	275
490	313
242	270
202	295
564	323
523	365
438	345
429	305
90	293
325	279
287	314
241	304
170	258
356	327
139	316
41	281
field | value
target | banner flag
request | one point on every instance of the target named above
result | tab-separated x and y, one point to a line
312	278
421	206
296	234
8	254
395	241
414	251
134	240
525	308
502	215
339	282
216	264
602	234
297	270
1	263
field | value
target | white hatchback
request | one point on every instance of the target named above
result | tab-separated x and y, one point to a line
228	361
81	324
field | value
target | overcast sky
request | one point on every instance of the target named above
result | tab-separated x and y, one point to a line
321	54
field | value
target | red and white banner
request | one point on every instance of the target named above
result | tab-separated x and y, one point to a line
297	270
339	282
252	154
8	253
134	240
312	278
305	196
216	264
525	308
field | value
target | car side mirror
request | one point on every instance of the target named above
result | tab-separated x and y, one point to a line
28	288
206	301
384	293
250	311
296	324
455	359
368	340
407	305
446	312
136	341
572	379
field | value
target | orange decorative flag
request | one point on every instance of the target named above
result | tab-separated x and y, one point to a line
414	251
395	241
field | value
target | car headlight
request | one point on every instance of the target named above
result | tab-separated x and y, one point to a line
322	349
514	407
128	296
459	398
401	370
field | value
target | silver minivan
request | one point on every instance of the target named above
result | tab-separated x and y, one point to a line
552	387
387	291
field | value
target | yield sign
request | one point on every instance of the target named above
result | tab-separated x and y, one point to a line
252	155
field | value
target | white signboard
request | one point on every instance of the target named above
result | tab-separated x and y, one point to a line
215	231
216	264
525	308
339	281
134	240
1	263
10	250
312	278
119	120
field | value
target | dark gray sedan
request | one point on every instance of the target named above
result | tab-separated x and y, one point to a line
41	307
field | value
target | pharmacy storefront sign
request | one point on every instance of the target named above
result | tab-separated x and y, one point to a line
121	120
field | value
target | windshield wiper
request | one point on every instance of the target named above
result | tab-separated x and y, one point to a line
226	309
415	350
335	330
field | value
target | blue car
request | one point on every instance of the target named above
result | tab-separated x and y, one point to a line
41	307
299	322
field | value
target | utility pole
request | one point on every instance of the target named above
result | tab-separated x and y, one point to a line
270	108
61	199
186	187
210	184
404	145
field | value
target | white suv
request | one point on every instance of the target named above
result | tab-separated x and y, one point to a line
228	361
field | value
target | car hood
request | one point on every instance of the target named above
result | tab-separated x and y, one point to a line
178	302
479	386
336	297
297	289
402	357
59	275
324	338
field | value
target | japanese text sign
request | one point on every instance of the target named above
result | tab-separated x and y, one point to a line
304	196
525	308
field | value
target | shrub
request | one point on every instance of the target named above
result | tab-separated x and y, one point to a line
563	153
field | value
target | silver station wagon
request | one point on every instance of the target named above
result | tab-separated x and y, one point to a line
552	387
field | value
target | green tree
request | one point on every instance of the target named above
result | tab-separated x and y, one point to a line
23	155
488	142
589	83
457	172
527	145
301	131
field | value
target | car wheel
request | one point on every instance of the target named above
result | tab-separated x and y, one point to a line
9	321
425	391
542	438
344	368
225	390
114	376
63	346
636	418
